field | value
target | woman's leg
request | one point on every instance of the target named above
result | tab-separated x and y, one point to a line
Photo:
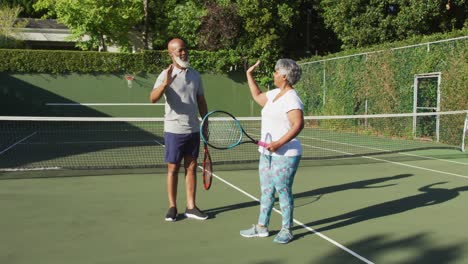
267	199
284	170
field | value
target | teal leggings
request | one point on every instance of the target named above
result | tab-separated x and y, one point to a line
277	175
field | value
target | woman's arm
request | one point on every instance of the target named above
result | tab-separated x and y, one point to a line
259	97
296	120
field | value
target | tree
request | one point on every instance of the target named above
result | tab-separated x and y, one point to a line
185	21
26	5
220	27
9	25
308	35
96	23
176	18
146	24
265	26
360	23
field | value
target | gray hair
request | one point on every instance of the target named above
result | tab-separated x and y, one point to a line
289	68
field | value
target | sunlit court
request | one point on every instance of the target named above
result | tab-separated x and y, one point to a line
243	131
359	196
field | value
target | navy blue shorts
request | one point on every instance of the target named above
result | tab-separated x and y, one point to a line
179	145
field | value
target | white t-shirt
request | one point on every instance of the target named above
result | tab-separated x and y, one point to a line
275	122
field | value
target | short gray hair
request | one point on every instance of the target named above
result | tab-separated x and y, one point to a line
289	68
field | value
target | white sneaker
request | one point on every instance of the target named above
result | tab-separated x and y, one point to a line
255	231
195	213
284	236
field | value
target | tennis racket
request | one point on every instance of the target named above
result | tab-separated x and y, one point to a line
224	131
207	169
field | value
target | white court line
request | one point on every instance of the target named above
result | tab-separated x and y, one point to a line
393	162
402	153
30	169
366	147
100	104
296	221
93	142
159	143
18	142
427	157
318	233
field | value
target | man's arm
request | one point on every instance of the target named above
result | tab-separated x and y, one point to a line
203	110
157	92
202	106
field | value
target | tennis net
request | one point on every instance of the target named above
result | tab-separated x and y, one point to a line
51	143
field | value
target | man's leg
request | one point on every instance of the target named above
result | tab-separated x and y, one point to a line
172	180
190	164
172	156
192	211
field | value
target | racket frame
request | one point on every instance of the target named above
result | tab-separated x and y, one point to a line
207	172
238	124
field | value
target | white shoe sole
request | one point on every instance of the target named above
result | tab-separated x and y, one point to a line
256	235
170	219
195	217
281	242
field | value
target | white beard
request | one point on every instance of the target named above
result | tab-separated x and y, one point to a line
183	64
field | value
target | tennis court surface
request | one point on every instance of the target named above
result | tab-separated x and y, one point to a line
372	190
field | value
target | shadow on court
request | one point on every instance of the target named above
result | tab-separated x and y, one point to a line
366	184
318	193
424	250
66	145
428	196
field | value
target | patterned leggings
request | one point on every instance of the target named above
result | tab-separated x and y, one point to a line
277	174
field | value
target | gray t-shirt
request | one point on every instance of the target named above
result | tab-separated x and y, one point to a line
181	108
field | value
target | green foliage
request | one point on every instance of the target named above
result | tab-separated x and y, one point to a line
177	19
415	40
27	9
265	27
185	21
265	23
220	27
38	61
161	35
254	29
366	22
384	80
258	29
96	23
9	26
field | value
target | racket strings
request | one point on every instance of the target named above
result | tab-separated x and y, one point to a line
224	133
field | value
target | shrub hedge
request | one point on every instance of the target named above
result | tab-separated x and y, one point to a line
57	61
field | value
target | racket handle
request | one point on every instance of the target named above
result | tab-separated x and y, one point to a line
262	144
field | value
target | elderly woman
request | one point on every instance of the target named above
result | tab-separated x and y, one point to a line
282	121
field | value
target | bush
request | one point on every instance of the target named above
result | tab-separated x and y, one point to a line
56	62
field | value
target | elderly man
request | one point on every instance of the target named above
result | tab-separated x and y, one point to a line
183	90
